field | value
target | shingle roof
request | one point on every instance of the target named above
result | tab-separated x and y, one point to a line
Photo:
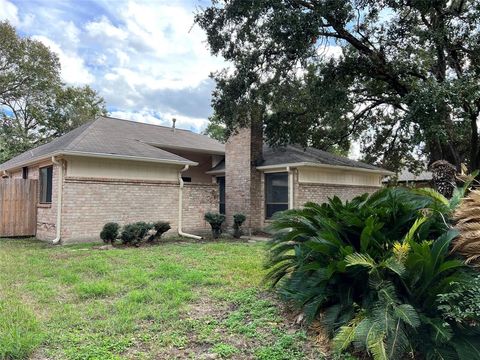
294	155
110	136
407	176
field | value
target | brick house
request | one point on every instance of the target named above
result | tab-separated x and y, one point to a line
124	171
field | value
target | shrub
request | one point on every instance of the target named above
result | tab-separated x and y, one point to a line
133	234
160	227
215	220
109	232
238	220
378	269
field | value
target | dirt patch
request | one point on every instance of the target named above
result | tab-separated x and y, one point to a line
216	316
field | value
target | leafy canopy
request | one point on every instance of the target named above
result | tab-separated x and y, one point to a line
400	76
35	106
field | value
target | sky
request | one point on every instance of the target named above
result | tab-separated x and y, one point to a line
147	59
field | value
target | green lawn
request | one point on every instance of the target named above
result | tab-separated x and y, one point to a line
171	301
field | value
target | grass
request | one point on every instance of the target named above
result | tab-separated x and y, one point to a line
172	301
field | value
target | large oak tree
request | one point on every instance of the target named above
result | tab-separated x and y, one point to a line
35	105
405	81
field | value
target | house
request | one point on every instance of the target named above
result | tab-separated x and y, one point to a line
124	171
409	179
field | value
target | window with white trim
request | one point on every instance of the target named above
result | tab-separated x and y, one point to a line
46	183
276	193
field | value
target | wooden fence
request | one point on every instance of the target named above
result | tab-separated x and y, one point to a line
18	207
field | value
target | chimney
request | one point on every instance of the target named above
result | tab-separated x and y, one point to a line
173	124
243	188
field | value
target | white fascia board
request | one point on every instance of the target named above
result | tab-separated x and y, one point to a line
325	166
101	156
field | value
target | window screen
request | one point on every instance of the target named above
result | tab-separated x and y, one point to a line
221	190
46	179
276	193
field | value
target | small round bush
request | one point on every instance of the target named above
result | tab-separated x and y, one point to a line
238	220
133	234
215	220
160	227
109	232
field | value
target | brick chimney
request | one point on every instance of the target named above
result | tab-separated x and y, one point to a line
243	192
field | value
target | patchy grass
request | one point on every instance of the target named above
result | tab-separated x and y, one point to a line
172	301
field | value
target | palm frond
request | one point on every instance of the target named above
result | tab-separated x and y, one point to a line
358	259
467	217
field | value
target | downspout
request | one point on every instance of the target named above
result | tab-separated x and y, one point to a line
180	206
290	187
58	226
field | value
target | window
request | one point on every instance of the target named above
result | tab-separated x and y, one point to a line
25	172
46	179
276	193
186	179
221	190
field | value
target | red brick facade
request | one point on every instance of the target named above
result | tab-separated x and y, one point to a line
243	190
90	203
320	193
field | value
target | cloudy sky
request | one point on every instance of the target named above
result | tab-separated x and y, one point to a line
146	58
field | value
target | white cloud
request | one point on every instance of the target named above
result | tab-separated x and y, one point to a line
165	119
73	69
9	12
145	58
104	28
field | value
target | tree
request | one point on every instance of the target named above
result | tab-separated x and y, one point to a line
35	106
215	129
405	82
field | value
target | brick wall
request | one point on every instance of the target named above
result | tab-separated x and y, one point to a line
320	193
243	187
197	200
90	203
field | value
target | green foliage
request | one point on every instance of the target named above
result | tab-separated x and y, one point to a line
133	234
379	270
215	220
136	233
36	105
238	220
109	232
160	227
462	303
413	66
215	129
225	351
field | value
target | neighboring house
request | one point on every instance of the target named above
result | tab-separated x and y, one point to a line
124	171
409	179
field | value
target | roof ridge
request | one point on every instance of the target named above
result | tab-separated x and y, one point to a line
80	136
142	123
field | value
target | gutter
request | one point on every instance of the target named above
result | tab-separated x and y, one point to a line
58	225
290	187
215	172
337	167
180	207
